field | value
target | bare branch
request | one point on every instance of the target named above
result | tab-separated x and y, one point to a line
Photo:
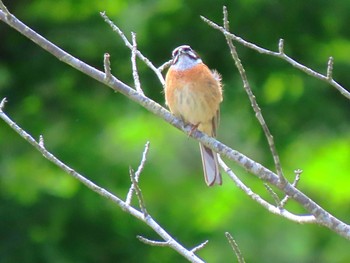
113	83
138	193
152	242
280	55
165	65
235	247
101	191
254	103
294	184
330	68
2	103
282	203
143	161
107	66
138	173
274	195
130	46
41	141
301	219
226	22
64	167
297	172
200	246
281	46
322	216
135	73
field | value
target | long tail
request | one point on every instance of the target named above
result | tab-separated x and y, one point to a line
210	166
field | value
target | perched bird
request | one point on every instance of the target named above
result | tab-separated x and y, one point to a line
193	93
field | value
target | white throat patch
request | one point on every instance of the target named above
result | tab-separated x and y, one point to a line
186	62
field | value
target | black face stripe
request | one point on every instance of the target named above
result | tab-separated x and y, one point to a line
187	50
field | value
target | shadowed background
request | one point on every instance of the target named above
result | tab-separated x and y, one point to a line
46	216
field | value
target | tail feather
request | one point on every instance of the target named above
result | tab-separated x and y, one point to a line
210	166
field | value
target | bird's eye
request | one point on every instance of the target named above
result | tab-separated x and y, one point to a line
187	49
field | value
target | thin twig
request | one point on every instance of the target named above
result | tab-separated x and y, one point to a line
225	18
41	141
280	55
116	29
301	219
254	103
107	66
143	161
281	46
330	68
153	242
200	246
138	173
297	173
165	65
135	73
138	192
235	247
2	103
273	195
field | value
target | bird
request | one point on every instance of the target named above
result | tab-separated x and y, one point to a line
193	93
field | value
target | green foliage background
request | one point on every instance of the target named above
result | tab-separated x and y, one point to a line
46	216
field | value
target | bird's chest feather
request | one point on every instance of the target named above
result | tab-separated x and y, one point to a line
193	94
